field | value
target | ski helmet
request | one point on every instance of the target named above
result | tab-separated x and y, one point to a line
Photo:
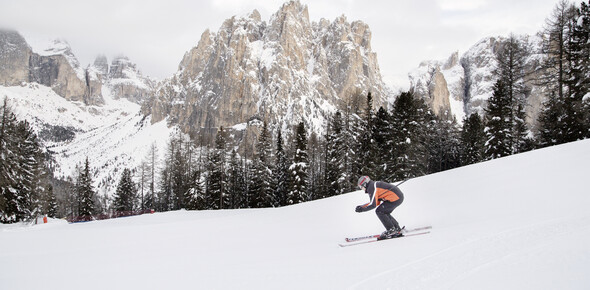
363	180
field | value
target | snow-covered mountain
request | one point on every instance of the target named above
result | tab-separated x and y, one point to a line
112	136
284	71
80	113
462	84
519	222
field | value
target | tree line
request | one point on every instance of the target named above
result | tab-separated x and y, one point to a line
394	143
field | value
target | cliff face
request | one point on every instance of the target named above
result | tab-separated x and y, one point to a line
469	80
55	66
285	71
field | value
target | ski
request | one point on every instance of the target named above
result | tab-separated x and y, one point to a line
366	241
404	230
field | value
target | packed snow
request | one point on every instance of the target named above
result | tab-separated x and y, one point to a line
520	222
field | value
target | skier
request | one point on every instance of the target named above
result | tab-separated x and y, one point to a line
386	197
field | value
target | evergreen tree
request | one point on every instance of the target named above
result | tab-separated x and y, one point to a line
262	182
85	192
299	168
565	72
511	58
382	130
354	160
151	164
473	140
236	182
444	145
126	194
367	151
281	172
550	132
498	123
217	180
9	205
410	124
336	151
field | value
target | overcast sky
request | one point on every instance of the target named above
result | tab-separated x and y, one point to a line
155	34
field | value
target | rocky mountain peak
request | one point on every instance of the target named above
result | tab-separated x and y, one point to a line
283	71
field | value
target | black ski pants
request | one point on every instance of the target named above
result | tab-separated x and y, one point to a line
384	210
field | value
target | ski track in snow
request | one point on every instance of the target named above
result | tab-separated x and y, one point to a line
447	268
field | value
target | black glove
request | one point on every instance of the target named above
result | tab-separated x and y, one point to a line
359	209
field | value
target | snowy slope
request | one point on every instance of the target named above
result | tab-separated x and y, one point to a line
113	136
514	223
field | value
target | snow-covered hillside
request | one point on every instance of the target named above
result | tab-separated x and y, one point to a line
112	136
520	222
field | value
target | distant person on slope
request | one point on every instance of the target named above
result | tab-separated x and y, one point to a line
386	197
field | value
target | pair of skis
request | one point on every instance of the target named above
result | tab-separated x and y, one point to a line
374	238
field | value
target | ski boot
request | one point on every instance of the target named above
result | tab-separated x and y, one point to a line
390	234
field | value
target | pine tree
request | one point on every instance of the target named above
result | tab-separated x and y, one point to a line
473	139
217	180
550	132
498	123
410	127
566	61
85	192
367	150
382	130
9	206
299	168
262	182
444	145
281	172
336	151
236	182
125	195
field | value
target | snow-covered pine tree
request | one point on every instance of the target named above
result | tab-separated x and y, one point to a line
443	143
125	197
8	163
336	151
562	73
410	122
299	167
179	174
579	82
511	70
281	173
367	150
316	154
382	130
353	129
549	131
85	192
473	139
217	180
499	127
262	178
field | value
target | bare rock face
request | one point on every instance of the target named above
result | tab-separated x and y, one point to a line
14	58
285	71
126	81
56	66
429	84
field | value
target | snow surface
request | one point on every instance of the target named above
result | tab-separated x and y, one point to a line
520	222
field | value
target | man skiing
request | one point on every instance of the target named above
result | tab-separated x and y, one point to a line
386	197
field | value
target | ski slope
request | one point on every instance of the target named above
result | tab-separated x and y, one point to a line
520	222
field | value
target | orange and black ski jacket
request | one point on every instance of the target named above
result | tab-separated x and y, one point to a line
381	191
